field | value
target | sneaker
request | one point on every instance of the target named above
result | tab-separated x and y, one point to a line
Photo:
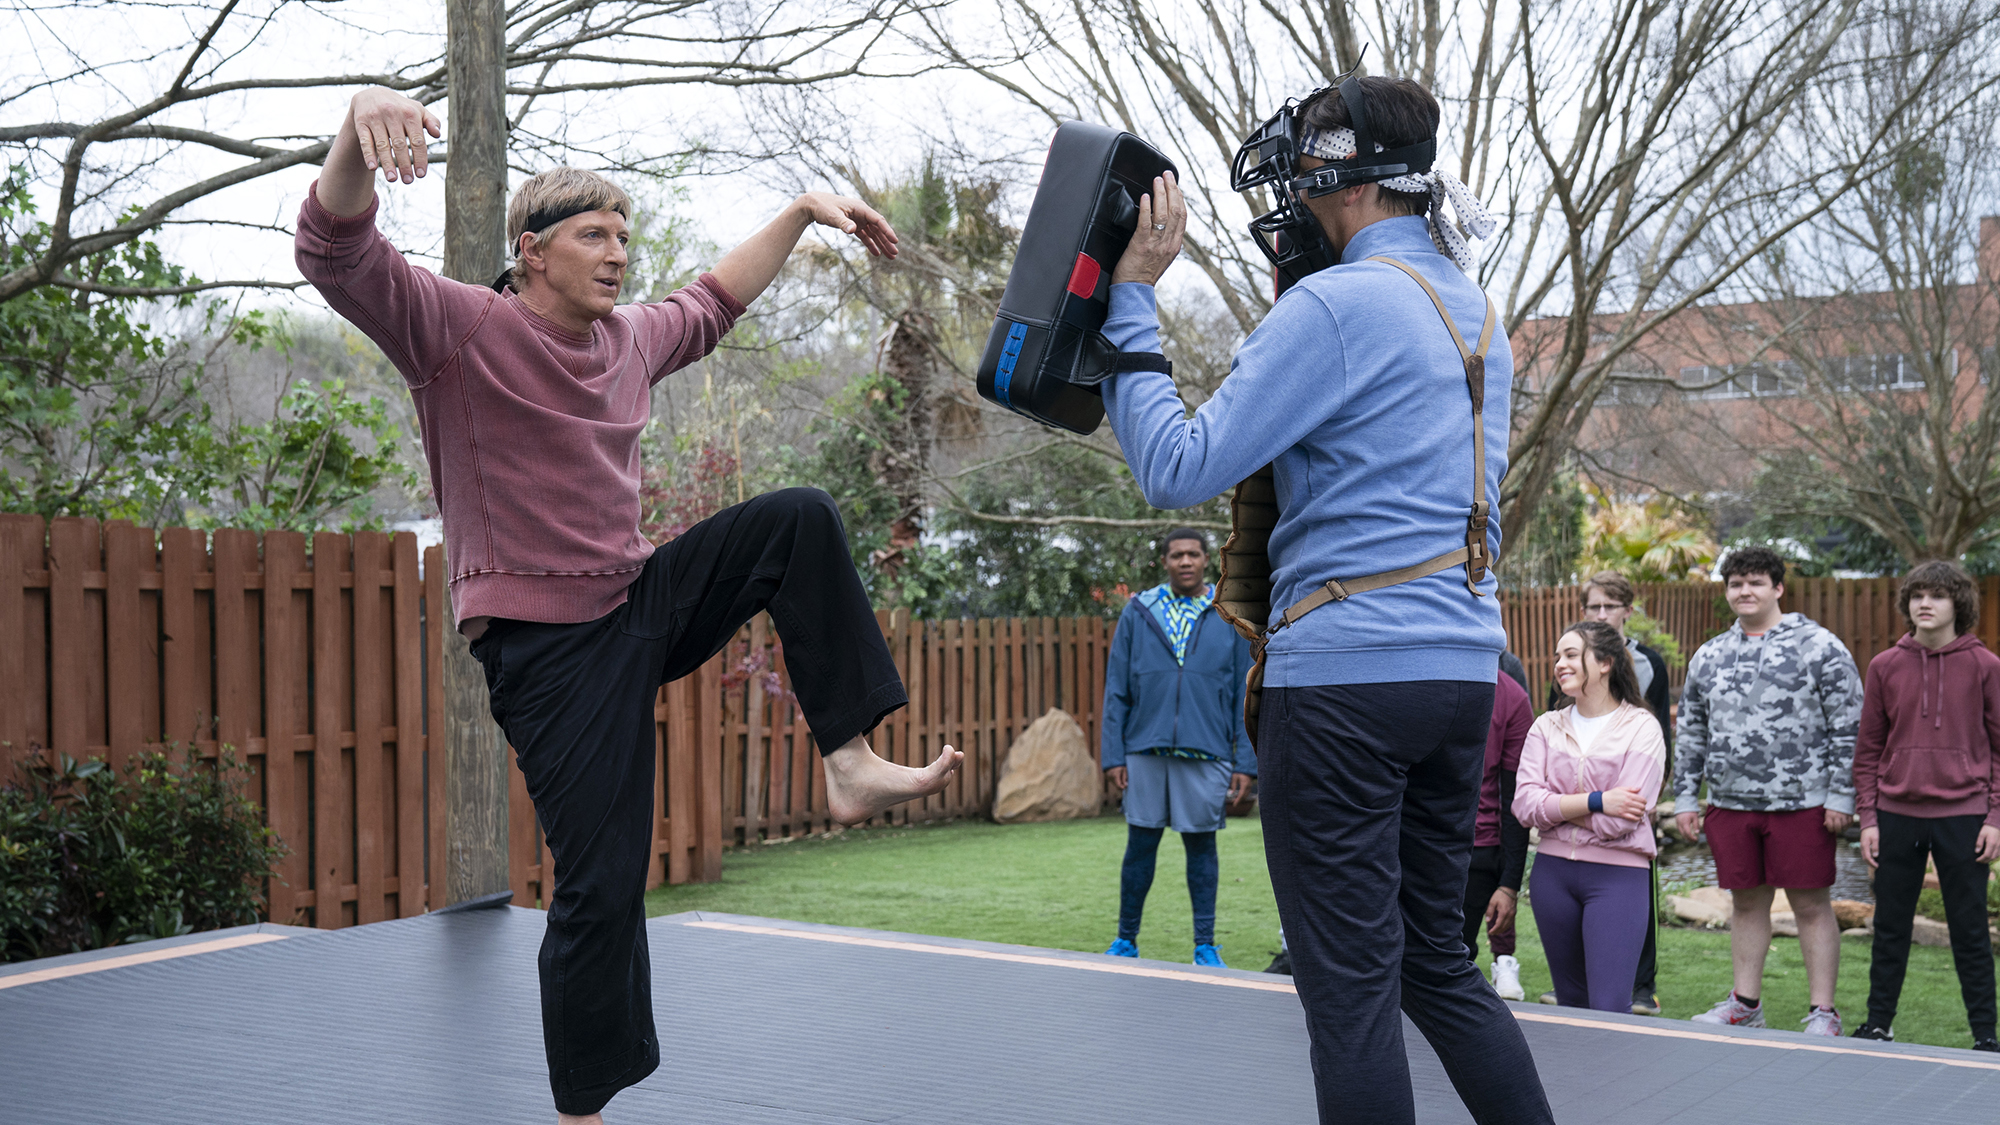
1123	948
1733	1013
1987	1044
1282	963
1822	1021
1871	1031
1548	997
1645	1003
1208	955
1507	977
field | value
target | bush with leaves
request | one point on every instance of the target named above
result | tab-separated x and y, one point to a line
93	859
97	401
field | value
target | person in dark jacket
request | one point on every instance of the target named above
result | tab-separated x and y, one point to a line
1172	735
1608	597
1500	840
1927	787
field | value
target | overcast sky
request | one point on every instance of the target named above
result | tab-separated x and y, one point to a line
135	50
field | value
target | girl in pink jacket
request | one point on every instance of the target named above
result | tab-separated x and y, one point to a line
1590	776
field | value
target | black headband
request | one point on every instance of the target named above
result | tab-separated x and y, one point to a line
539	221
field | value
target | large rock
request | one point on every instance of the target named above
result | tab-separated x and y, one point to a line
1853	914
1701	907
1049	774
1929	931
1712	906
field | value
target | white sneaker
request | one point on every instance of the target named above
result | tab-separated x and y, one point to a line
1732	1013
1822	1021
1507	977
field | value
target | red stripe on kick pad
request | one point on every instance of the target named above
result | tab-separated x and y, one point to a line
1083	279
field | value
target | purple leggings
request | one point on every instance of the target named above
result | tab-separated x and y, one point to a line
1593	919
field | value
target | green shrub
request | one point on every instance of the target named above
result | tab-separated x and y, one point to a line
93	860
1930	901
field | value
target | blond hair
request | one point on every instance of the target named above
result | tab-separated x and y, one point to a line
565	191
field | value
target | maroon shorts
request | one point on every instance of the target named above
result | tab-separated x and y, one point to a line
1792	849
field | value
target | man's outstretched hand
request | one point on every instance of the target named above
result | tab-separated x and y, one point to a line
850	215
391	129
749	269
385	130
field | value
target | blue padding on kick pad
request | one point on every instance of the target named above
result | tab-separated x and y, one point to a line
1010	354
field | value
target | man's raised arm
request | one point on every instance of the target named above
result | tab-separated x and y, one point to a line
382	129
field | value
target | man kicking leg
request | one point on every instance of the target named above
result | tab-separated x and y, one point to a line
532	394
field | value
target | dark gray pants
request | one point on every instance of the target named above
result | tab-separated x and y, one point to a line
1369	793
576	703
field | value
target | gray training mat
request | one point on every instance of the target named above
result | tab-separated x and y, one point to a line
436	1019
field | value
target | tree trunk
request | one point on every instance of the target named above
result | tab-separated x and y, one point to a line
908	360
475	233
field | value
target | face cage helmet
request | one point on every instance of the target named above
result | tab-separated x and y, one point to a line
1288	234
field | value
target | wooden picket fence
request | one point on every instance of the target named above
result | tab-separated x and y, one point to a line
311	665
315	659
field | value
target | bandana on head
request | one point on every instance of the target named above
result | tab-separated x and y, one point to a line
1471	219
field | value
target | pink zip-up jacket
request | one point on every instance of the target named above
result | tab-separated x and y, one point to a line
1629	751
531	431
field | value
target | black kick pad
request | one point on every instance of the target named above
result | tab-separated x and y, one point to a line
1046	354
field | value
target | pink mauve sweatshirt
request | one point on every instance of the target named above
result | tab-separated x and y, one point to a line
1929	725
1629	750
532	432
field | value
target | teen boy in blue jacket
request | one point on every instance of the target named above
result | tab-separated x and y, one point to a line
1173	736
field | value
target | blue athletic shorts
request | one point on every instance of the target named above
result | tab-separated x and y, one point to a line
1184	794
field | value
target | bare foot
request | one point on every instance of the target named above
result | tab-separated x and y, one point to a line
860	785
572	1119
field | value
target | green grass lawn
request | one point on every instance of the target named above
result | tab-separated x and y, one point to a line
1056	885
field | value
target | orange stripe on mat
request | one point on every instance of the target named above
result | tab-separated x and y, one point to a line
1670	1031
36	976
992	955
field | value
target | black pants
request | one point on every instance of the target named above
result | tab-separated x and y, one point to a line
1648	976
1899	878
1369	795
576	703
1482	878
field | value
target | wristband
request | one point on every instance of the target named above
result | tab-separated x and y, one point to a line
1597	801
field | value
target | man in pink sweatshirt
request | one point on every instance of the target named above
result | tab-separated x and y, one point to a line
531	395
1927	786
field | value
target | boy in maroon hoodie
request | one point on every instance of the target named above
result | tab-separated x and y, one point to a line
532	393
1927	785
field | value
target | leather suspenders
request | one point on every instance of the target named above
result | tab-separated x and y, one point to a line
1243	592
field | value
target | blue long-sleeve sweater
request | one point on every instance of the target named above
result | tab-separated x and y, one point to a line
1354	387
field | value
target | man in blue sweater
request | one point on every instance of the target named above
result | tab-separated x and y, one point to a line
1172	736
1362	390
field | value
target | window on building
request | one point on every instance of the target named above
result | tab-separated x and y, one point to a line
1873	372
1742	380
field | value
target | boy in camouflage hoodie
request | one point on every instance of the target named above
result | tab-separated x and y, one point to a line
1767	719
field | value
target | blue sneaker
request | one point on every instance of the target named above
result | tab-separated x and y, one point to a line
1122	948
1208	955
